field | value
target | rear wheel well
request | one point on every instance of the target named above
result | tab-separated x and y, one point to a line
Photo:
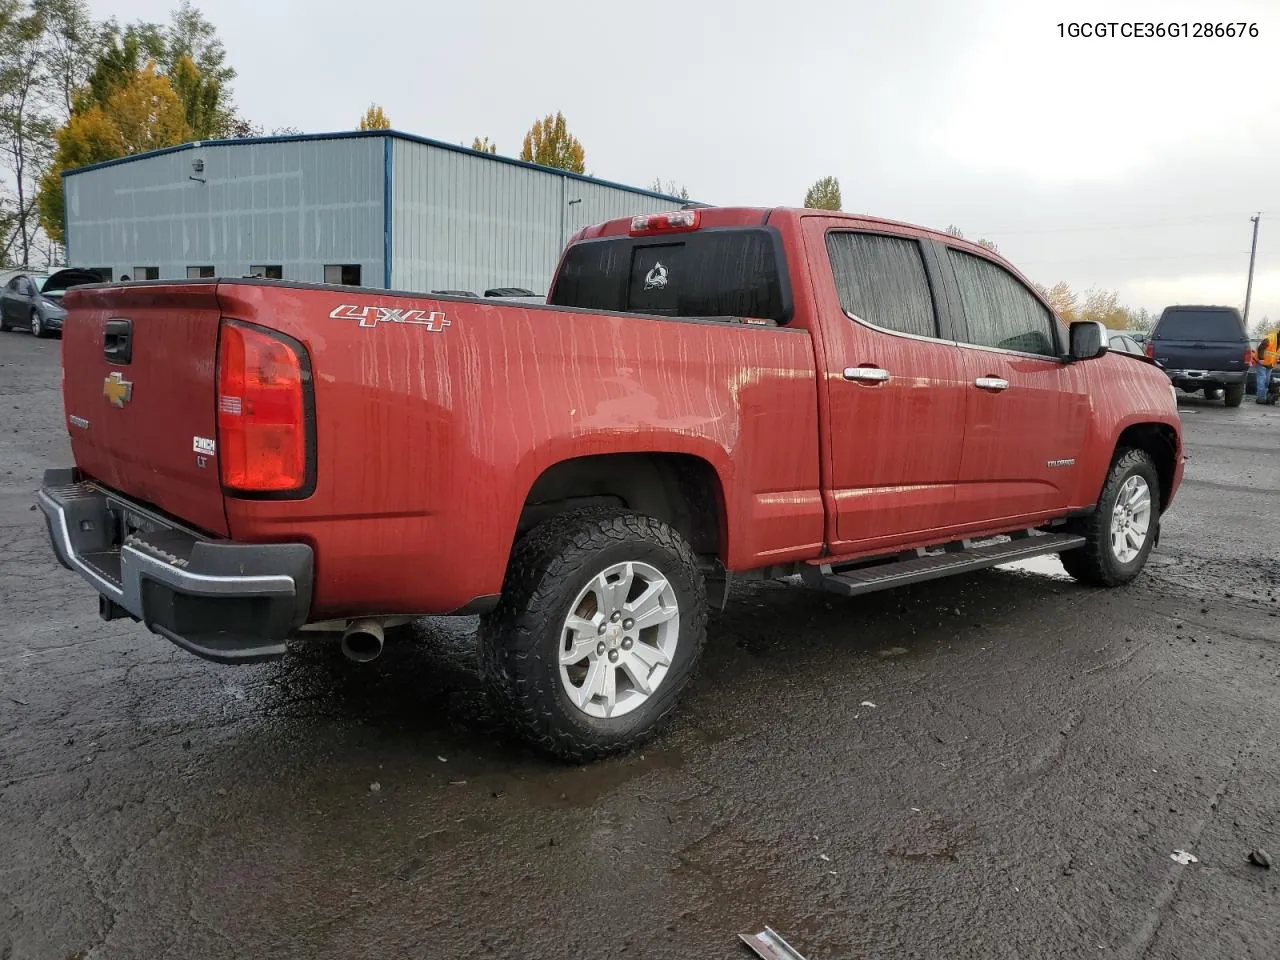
1160	442
679	489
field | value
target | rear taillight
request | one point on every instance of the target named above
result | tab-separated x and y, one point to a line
1151	350
681	221
1248	356
262	422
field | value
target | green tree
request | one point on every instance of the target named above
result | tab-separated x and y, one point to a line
823	195
201	98
1262	327
670	188
187	51
483	145
375	118
550	144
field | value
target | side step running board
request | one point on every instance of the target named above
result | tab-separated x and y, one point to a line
935	562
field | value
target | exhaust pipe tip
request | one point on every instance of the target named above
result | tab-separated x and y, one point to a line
362	641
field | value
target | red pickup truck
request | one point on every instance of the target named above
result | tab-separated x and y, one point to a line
707	395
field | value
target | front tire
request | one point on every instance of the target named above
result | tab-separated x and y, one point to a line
1121	531
1233	394
600	626
37	325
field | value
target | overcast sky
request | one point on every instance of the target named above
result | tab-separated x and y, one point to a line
1131	164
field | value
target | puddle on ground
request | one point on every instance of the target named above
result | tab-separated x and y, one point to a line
1047	566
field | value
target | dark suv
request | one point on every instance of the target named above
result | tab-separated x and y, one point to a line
1203	348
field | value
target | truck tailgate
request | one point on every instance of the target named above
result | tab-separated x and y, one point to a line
1201	354
139	370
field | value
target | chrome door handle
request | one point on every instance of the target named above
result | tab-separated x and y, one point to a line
991	383
866	374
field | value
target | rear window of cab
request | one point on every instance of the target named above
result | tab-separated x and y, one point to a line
735	272
1205	324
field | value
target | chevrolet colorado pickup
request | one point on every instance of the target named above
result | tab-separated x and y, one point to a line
707	395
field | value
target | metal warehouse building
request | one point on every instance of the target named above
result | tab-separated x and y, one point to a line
372	208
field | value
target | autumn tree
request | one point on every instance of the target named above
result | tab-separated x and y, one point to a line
483	145
550	144
375	118
670	188
1104	307
823	195
1061	299
144	114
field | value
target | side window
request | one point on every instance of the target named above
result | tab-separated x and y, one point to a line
881	280
14	284
1000	311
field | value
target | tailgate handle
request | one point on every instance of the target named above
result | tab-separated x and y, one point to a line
117	341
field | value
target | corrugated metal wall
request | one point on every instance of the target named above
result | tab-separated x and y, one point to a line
299	205
464	222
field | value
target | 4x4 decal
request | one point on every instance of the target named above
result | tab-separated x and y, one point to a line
371	316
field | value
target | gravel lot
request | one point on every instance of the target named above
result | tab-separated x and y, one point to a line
1036	753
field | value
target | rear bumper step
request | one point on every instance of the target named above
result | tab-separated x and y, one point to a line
227	602
959	557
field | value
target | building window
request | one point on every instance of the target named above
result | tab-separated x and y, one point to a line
345	274
197	273
267	272
146	273
104	272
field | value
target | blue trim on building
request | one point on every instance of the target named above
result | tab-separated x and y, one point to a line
388	152
390	135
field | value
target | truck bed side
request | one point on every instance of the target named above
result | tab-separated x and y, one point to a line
434	425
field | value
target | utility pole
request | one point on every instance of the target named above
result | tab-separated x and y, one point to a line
1253	256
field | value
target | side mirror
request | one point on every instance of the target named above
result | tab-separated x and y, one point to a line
1088	340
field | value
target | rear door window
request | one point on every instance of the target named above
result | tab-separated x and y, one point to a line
999	311
1200	325
709	273
881	280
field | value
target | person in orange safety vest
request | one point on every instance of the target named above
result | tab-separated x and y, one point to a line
1267	356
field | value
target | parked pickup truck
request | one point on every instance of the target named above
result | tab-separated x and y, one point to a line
708	395
1203	348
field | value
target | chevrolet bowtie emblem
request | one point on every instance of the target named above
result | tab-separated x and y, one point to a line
117	389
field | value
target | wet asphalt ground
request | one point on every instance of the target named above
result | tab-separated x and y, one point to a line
1035	753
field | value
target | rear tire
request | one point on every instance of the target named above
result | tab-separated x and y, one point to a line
1110	556
571	584
1233	394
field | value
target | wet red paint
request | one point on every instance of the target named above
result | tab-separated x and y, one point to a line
430	436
